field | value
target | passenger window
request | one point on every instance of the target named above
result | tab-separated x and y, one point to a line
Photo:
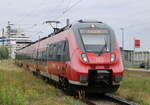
50	52
59	51
66	56
54	51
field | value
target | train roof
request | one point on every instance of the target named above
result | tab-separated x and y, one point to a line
79	23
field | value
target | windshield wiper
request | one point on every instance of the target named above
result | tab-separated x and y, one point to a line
104	47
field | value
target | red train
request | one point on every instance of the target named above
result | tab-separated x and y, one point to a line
84	56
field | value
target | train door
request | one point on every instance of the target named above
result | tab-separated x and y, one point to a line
63	57
36	59
47	62
34	56
50	59
59	57
53	63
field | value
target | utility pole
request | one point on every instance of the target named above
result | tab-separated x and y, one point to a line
122	30
3	37
9	28
123	54
8	37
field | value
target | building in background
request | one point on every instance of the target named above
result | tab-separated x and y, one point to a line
13	39
131	57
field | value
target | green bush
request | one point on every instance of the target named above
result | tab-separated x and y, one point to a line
4	53
11	96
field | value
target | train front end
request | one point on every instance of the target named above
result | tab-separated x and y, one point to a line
95	61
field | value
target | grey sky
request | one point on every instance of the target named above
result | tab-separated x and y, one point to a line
132	15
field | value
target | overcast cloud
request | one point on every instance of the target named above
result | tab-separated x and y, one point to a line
132	15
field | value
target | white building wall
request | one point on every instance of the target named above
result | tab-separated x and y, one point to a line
12	44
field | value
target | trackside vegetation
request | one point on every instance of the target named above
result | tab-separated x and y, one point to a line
19	87
136	87
4	53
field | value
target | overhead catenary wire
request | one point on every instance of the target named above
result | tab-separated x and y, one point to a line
27	14
67	10
31	11
76	3
60	4
68	5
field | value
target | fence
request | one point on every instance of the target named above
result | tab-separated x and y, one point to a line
131	57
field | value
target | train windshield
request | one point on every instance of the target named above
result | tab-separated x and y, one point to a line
95	40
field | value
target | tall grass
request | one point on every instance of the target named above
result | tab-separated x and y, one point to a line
136	87
20	87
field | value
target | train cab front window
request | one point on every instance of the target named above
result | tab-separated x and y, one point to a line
96	41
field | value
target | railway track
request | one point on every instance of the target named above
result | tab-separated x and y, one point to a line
120	100
97	99
107	99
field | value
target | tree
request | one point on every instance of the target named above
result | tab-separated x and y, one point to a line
4	53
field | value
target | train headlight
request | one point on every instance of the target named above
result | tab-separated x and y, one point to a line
83	78
118	78
113	57
84	57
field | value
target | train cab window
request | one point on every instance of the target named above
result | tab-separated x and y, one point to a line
96	40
